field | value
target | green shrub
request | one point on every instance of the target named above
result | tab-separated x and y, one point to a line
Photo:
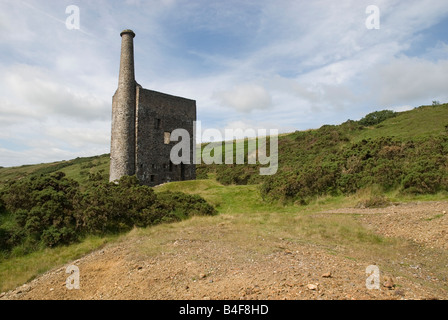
110	207
5	236
53	236
202	172
309	170
237	174
97	176
42	205
377	117
87	165
184	204
52	210
2	205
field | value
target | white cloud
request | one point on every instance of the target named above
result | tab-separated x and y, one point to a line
248	124
406	80
41	154
79	137
38	94
245	98
402	108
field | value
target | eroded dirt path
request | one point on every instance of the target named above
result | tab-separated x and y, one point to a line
203	262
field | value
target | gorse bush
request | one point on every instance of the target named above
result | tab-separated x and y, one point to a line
2	205
173	206
238	174
377	117
110	208
52	210
43	209
418	167
4	234
113	207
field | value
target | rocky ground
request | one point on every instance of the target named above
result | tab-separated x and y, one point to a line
200	262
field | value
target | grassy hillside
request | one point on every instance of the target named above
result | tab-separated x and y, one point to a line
77	169
407	152
295	149
420	122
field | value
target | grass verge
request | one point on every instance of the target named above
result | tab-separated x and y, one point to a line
19	270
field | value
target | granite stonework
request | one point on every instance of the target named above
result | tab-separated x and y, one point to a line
142	122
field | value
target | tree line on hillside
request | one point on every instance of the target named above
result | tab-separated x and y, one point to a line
51	210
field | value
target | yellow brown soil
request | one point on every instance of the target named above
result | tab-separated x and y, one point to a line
203	262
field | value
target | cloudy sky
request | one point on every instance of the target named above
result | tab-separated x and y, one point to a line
273	64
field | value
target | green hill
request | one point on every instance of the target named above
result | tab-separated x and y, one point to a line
404	152
78	169
330	160
420	122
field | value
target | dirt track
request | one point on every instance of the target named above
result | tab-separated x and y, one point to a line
200	262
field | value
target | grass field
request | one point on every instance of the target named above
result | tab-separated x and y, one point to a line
417	123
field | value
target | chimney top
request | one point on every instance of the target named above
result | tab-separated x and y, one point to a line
127	31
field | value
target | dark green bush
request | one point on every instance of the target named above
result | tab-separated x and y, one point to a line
184	205
377	117
237	174
99	176
202	172
2	205
41	206
417	167
424	177
110	207
87	165
5	236
51	210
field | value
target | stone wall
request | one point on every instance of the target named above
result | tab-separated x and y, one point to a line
158	114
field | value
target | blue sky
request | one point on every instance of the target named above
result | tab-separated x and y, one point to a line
286	65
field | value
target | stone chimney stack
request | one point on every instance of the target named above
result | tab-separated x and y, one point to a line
127	75
122	153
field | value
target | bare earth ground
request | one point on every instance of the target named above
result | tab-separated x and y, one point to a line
200	262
